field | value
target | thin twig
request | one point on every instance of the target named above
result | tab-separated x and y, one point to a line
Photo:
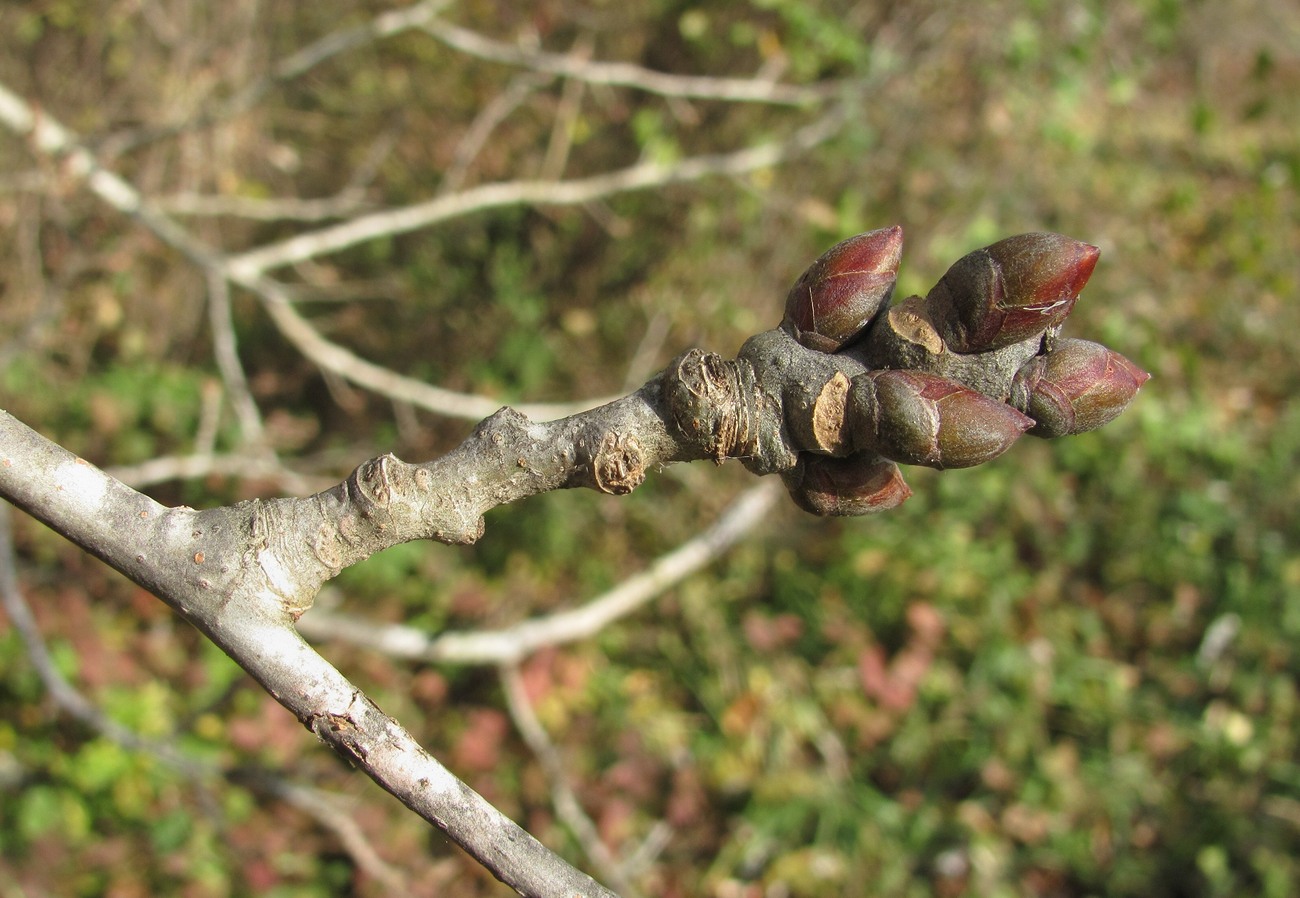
622	74
51	138
520	88
563	797
332	814
349	201
642	176
330	356
511	645
225	347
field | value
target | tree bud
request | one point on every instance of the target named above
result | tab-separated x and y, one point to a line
1010	291
923	419
861	484
1077	387
836	298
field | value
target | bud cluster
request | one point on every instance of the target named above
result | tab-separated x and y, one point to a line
953	379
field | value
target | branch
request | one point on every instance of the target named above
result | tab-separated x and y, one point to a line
330	356
563	797
237	574
622	74
311	801
225	347
834	399
513	644
49	137
348	201
642	176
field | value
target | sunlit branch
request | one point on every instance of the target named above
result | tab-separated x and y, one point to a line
51	138
622	74
642	176
225	348
513	644
350	201
313	802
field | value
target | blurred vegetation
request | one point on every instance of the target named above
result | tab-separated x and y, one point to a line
1070	673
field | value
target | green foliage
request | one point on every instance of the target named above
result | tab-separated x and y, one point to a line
1071	672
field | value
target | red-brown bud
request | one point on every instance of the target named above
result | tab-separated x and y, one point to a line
836	298
1077	387
861	484
922	419
1010	291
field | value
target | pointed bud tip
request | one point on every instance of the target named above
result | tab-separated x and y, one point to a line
1043	267
1079	386
839	294
1012	290
875	252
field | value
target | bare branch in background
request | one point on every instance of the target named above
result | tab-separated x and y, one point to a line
563	797
332	357
225	347
621	74
493	113
349	201
513	644
52	138
247	266
331	813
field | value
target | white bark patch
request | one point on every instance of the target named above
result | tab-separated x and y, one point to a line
81	484
276	573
